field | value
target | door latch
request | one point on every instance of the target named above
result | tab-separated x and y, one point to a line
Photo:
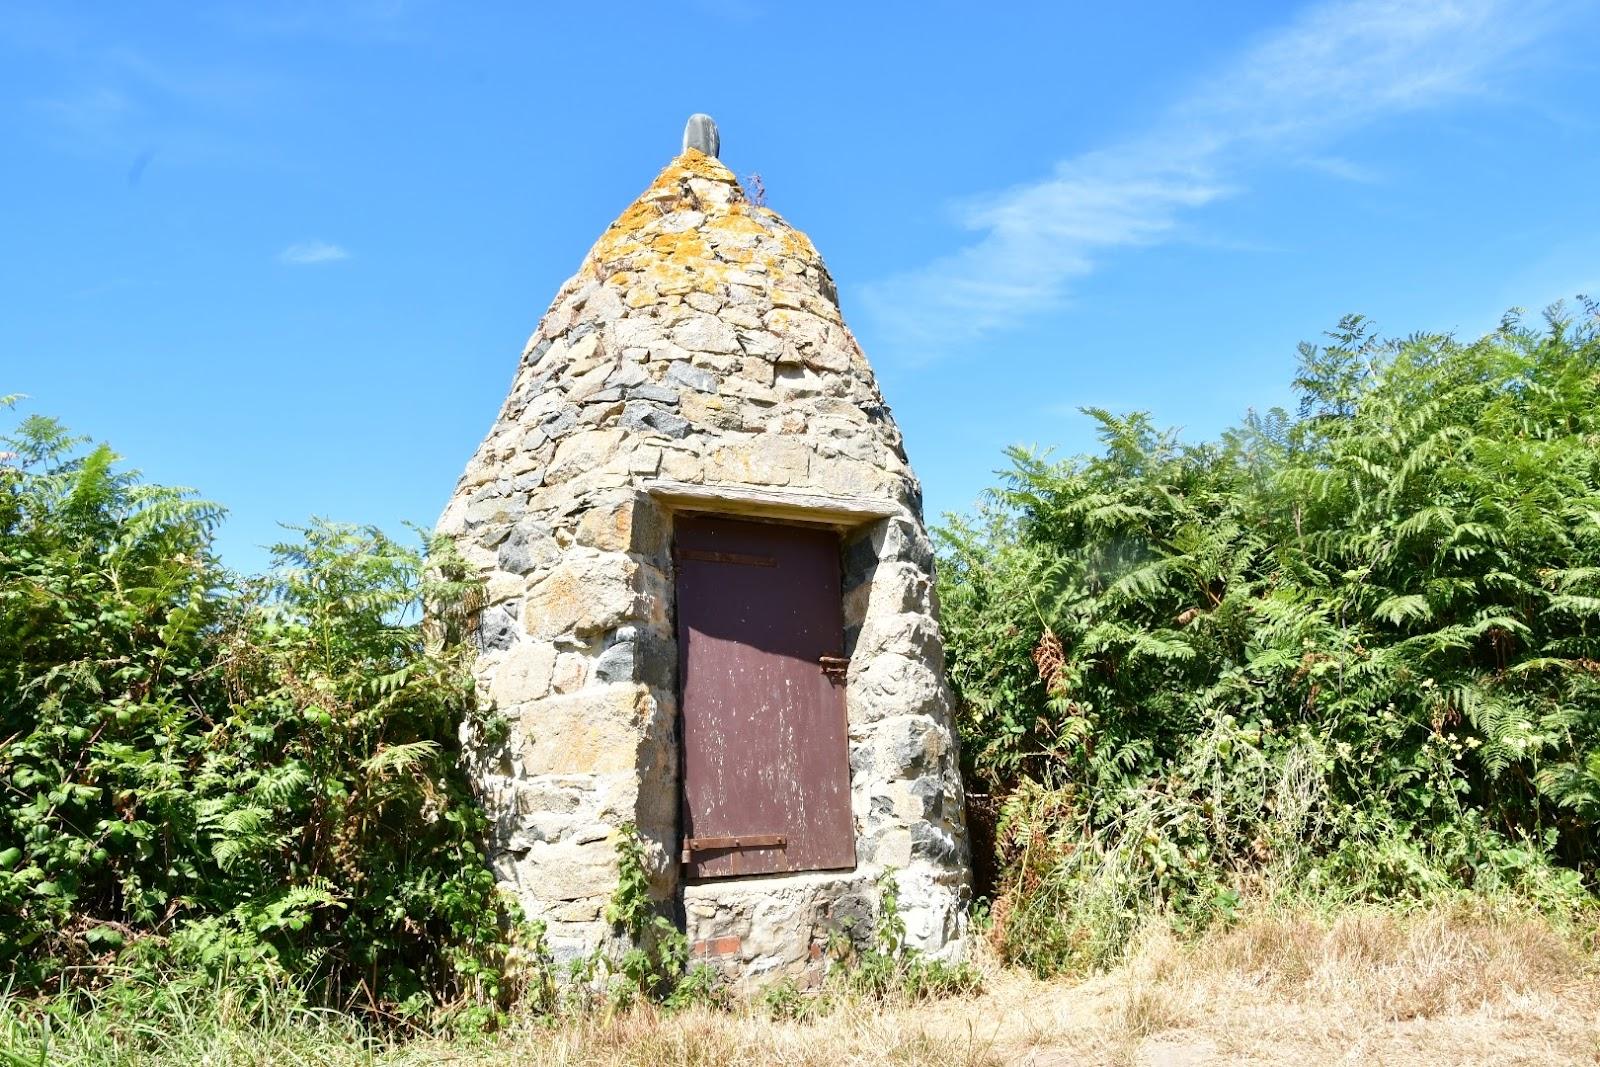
692	845
835	667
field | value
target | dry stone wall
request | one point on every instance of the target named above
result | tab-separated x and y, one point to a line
700	345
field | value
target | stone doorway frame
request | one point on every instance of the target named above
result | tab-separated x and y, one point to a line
761	925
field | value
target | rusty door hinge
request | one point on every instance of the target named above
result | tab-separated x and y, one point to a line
706	556
835	667
691	845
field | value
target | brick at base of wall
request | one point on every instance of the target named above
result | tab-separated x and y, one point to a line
718	946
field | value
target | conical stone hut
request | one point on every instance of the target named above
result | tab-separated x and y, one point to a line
709	608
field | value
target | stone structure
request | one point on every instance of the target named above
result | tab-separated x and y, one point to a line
698	363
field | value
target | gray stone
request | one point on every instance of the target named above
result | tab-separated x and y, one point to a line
851	914
912	744
644	417
616	664
525	547
693	377
627	374
659	394
700	133
560	423
933	794
513	556
497	629
492	536
657	661
933	844
861	556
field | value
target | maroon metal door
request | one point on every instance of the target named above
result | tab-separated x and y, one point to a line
766	766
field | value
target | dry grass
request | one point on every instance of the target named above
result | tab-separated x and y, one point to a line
1441	987
702	1039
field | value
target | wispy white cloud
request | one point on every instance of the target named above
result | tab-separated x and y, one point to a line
309	252
1339	65
1346	170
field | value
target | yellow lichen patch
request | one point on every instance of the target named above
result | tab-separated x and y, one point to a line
736	223
682	246
669	192
684	234
780	265
798	245
701	165
639	214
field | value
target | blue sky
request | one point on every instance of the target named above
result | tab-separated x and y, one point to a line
288	253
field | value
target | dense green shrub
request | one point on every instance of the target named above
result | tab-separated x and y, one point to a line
1352	653
212	772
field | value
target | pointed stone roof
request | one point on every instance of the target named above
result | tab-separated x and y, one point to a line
704	322
695	230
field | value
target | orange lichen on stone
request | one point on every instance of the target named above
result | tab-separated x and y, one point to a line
669	192
798	245
736	222
640	214
694	230
709	167
682	246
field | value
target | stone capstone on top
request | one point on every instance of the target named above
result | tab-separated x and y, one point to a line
700	134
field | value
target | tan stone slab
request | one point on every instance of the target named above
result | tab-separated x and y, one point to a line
771	503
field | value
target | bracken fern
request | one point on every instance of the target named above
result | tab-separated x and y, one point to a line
1351	653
